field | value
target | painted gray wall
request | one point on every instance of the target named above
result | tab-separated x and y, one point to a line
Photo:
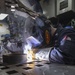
2	7
49	8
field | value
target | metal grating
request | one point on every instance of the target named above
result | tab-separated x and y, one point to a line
27	68
5	68
38	65
11	72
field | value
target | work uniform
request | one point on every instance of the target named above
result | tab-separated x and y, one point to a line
64	44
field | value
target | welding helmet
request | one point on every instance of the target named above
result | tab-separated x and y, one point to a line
42	31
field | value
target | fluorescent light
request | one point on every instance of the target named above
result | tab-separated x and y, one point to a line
12	6
12	9
3	16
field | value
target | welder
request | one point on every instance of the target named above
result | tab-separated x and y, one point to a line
63	43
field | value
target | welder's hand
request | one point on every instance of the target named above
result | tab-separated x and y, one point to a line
33	41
